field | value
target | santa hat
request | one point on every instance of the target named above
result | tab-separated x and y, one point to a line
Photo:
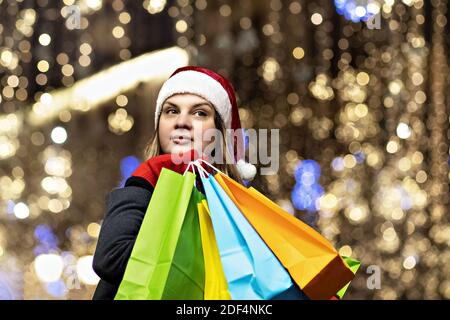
217	90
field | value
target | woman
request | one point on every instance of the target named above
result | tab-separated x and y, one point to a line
190	103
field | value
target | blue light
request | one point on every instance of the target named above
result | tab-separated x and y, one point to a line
338	164
405	201
360	157
349	9
10	206
44	234
246	139
127	167
57	288
310	167
47	239
307	189
308	179
305	198
247	183
8	290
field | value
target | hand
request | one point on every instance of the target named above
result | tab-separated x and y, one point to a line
151	168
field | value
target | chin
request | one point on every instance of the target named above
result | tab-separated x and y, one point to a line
181	148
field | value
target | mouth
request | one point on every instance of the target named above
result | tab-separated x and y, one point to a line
181	139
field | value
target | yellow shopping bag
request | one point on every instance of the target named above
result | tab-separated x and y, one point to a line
216	287
311	260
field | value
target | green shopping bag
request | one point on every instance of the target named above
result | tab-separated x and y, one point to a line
187	274
354	266
150	263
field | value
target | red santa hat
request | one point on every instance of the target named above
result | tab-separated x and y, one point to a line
217	90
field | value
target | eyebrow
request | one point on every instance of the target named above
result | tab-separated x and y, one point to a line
193	106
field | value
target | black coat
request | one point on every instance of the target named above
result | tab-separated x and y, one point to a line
125	210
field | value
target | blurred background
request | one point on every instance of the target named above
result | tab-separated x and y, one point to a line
360	91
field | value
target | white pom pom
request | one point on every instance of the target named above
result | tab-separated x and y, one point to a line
246	170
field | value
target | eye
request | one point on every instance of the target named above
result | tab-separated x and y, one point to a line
200	113
170	111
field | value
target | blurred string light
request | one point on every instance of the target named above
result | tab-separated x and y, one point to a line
357	10
399	198
154	6
47	240
52	268
321	88
57	288
85	272
93	5
8	58
11	188
93	229
307	189
86	95
6	292
438	147
21	210
270	69
10	126
120	121
91	92
119	31
59	135
45	39
182	14
383	153
403	131
48	267
11	278
53	272
58	167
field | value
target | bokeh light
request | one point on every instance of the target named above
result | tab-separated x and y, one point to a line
361	109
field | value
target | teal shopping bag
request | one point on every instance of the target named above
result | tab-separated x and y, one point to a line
251	269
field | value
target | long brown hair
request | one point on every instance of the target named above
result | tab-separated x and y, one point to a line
153	148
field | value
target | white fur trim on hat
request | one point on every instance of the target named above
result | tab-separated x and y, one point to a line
246	169
198	83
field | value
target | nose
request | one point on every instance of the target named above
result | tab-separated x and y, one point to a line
183	121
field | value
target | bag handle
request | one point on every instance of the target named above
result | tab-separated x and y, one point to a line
187	168
210	165
203	173
191	164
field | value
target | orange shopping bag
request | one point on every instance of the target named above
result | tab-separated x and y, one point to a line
311	260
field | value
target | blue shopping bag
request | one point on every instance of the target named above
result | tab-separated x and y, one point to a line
252	271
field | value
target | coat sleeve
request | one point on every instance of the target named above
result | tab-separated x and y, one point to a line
126	208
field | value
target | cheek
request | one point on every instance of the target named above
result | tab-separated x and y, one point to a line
201	128
205	136
164	134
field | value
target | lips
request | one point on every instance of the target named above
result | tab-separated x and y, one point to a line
181	139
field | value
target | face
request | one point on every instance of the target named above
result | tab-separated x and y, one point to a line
184	119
